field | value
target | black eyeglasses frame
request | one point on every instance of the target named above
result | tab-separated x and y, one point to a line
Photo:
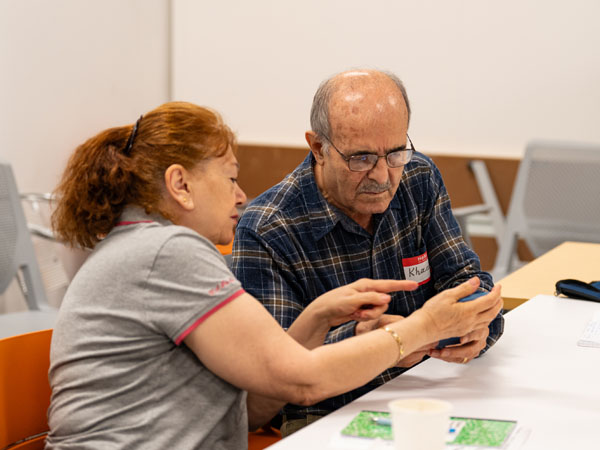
371	156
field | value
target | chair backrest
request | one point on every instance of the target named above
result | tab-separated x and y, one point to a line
24	389
17	257
556	198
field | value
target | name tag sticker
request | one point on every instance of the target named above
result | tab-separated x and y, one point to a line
417	268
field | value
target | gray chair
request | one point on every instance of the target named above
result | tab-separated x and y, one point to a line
35	201
17	257
490	206
556	198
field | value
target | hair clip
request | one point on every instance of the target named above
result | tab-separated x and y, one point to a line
129	145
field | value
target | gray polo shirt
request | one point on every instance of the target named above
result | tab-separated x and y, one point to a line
120	374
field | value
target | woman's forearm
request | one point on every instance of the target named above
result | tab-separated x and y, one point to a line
333	369
258	356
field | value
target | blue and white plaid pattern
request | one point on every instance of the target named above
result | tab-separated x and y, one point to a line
291	246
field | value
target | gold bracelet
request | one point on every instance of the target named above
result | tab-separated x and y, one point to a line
398	341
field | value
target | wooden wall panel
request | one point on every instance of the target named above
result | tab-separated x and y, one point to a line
265	166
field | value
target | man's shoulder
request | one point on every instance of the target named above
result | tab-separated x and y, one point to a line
420	163
421	169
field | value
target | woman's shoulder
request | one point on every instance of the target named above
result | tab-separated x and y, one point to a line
142	243
183	239
178	242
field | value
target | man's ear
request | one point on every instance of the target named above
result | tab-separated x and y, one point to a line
177	183
316	146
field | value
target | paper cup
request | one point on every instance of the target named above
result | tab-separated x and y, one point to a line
420	423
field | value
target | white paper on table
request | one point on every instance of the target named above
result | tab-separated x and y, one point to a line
591	334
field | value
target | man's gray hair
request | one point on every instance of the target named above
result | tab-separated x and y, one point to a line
319	112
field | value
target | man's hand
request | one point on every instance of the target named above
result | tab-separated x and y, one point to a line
470	346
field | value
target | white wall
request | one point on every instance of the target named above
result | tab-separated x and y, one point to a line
70	68
484	76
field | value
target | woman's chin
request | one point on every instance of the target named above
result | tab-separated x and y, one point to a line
224	240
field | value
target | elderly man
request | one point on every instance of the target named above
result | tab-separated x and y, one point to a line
363	203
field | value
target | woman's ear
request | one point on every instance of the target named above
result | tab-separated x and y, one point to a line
177	182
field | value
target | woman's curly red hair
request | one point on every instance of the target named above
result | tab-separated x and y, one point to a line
100	179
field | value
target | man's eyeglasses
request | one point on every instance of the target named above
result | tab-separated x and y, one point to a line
363	162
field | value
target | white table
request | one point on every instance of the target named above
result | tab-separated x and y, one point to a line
535	374
21	322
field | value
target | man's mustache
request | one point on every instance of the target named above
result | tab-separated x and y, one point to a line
374	188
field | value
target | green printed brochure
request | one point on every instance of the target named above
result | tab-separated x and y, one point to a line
462	431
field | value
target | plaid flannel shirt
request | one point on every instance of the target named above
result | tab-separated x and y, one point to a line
291	246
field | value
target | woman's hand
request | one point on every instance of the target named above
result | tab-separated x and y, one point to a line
447	317
363	300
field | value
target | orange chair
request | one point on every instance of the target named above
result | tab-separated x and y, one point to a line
24	390
225	249
226	252
262	438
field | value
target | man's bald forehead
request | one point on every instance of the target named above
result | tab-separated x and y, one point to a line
355	73
352	91
353	88
363	78
355	92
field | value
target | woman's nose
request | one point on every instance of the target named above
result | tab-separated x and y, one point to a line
241	196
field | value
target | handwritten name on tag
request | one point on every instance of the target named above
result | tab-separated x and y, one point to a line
417	268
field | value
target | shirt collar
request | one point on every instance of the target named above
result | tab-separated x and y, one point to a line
133	214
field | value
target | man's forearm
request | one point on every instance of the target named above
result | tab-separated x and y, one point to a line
310	328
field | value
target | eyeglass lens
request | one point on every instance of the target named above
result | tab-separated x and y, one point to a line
367	162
